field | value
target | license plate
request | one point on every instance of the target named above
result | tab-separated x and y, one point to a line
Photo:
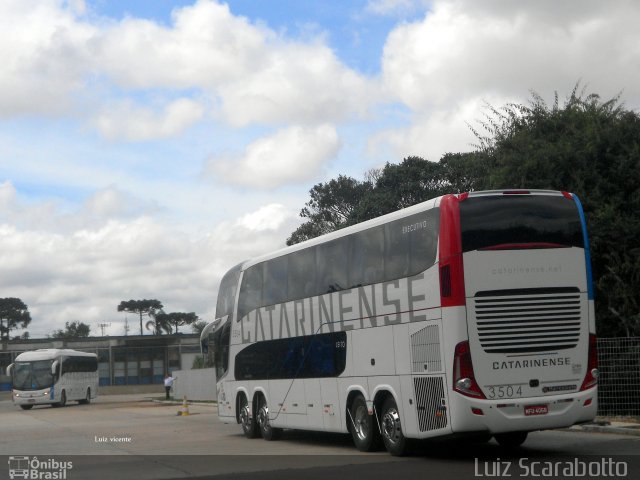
536	410
32	400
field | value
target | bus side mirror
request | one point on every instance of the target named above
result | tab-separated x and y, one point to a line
54	367
10	370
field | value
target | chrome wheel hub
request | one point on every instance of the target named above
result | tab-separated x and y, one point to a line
361	423
391	425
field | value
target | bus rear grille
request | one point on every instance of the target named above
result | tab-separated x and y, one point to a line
425	350
430	403
528	320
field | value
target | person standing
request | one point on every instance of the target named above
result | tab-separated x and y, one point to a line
168	383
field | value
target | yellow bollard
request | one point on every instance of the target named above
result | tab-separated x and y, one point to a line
185	407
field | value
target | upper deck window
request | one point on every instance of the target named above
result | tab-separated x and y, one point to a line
510	222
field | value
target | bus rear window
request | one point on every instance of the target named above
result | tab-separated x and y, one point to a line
510	222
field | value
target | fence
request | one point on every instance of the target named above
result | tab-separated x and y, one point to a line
619	382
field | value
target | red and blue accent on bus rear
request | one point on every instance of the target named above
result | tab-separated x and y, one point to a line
587	250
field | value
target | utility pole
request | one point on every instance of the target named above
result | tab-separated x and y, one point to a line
126	326
103	326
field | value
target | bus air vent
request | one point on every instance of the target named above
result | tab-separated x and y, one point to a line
425	350
429	391
528	320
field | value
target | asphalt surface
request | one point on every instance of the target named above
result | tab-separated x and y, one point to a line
129	436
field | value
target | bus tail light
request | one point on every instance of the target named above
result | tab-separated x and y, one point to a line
591	378
464	380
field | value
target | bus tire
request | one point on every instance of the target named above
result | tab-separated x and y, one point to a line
268	432
86	399
247	421
391	428
63	399
511	439
26	407
364	429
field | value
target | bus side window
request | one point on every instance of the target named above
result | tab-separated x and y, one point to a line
250	290
332	264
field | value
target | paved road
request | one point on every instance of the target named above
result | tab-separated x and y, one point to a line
126	437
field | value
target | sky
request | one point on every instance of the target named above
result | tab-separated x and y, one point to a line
148	146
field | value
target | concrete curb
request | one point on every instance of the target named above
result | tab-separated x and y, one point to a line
619	429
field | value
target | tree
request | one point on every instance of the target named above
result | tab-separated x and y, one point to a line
592	148
159	324
72	330
330	207
198	326
398	186
141	307
179	319
14	313
167	321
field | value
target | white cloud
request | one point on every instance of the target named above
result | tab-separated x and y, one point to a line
269	217
84	274
434	133
56	59
297	83
111	202
462	49
136	123
465	53
7	196
44	56
292	154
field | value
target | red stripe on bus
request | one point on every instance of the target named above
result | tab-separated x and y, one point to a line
452	292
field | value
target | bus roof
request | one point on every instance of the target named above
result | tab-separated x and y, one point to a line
374	222
50	354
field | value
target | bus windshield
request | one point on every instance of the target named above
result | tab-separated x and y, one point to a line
514	222
32	375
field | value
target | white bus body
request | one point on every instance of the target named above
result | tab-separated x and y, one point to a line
468	314
53	376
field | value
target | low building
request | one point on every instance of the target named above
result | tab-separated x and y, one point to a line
124	360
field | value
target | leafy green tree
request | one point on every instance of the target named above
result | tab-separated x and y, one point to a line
399	186
141	307
330	207
198	326
72	330
592	148
159	324
14	313
167	321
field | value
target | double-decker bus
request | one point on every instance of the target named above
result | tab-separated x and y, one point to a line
468	314
53	376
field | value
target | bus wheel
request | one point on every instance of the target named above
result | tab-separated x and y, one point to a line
268	432
511	439
363	427
26	407
87	399
63	399
394	440
248	421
